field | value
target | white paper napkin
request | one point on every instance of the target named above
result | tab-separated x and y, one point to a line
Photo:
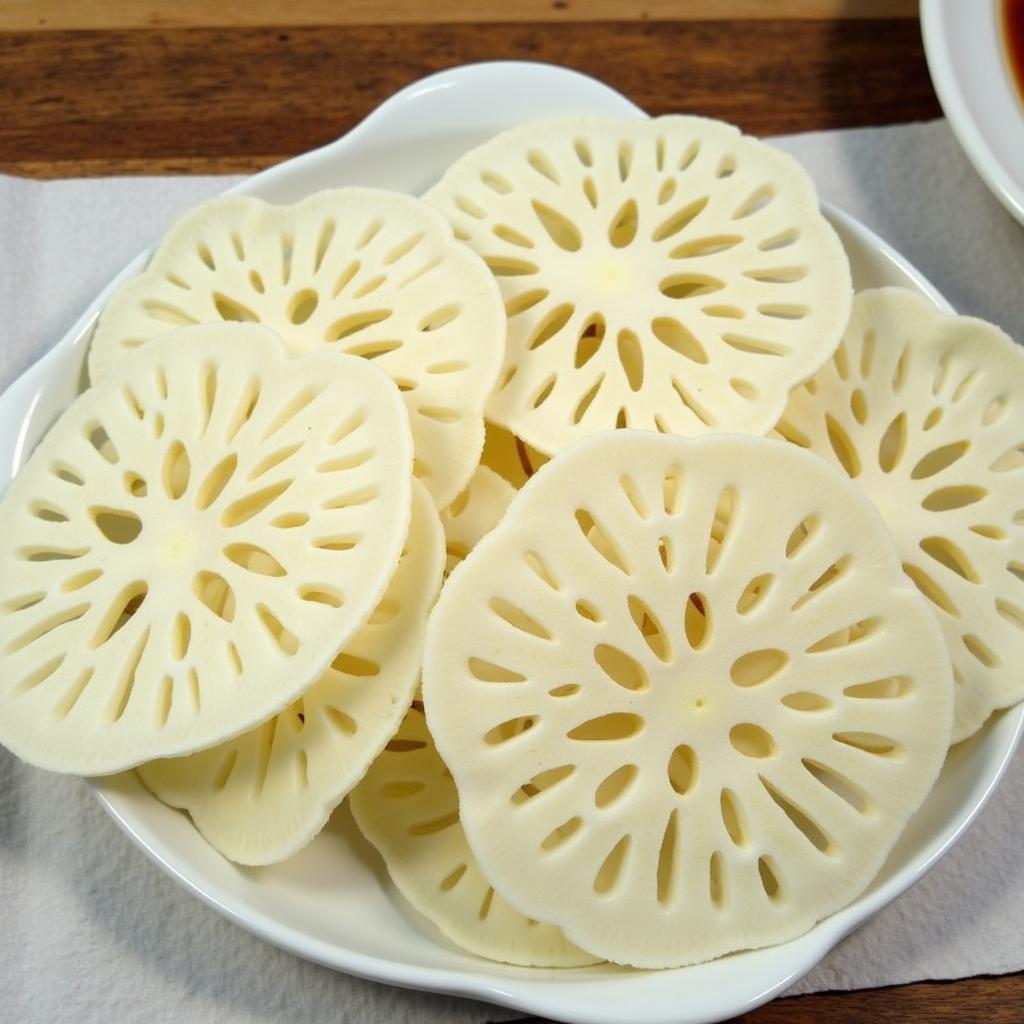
93	932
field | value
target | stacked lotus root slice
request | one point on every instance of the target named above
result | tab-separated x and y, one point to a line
736	558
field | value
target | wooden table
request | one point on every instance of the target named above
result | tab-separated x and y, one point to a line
143	87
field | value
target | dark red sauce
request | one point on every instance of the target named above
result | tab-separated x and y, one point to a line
1013	33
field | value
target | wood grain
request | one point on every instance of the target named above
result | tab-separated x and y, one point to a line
992	1000
235	99
49	15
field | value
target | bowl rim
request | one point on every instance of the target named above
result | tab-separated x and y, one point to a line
941	45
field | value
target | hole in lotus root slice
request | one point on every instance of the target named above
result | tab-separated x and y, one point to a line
636	267
941	403
284	783
510	457
360	271
702	721
160	604
408	808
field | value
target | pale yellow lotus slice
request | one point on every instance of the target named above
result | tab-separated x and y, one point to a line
926	413
688	696
262	796
474	514
367	272
407	805
669	274
192	543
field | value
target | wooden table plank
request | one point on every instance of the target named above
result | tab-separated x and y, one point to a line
50	15
992	1000
219	96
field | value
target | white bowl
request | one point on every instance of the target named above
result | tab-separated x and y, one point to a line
333	903
970	69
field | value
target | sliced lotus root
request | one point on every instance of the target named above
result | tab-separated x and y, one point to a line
926	413
408	807
371	273
192	543
262	796
670	274
474	513
509	456
687	695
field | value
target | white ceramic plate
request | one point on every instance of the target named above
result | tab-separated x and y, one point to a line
332	903
970	70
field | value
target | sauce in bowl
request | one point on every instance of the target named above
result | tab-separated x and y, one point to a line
1013	33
